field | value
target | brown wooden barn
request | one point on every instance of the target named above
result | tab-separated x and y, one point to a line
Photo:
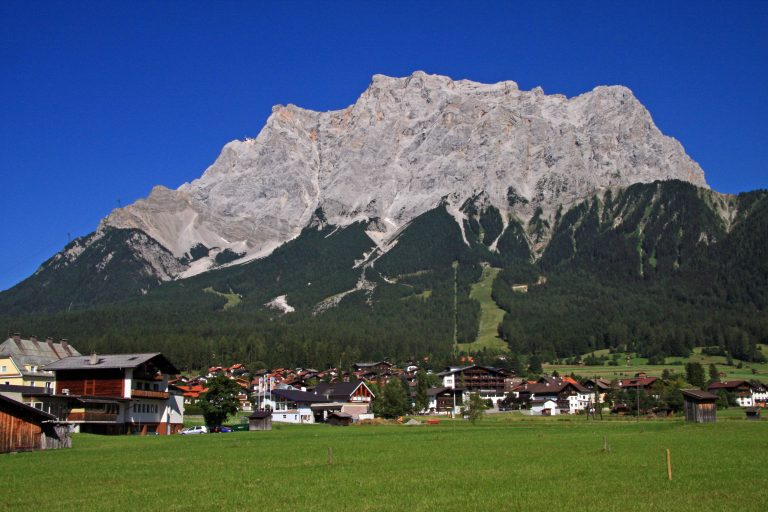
339	419
260	420
700	406
24	428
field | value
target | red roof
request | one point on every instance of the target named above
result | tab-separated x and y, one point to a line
642	382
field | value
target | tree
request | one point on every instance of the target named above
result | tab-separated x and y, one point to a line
515	366
422	400
694	374
714	376
394	400
534	365
220	400
475	407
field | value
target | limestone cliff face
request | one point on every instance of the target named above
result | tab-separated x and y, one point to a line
405	145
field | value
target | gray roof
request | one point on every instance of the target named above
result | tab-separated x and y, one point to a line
698	394
110	361
339	390
36	352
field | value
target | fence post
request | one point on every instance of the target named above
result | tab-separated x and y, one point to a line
669	465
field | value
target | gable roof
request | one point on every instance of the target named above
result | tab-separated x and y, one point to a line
303	397
550	386
637	382
9	403
112	361
339	390
35	352
698	394
729	384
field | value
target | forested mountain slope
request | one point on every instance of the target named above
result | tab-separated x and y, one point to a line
657	268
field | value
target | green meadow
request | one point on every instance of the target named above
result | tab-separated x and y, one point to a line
629	367
491	316
505	462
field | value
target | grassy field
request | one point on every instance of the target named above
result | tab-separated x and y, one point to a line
506	462
491	315
233	299
748	371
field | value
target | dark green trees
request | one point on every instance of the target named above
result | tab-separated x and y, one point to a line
220	400
394	400
694	374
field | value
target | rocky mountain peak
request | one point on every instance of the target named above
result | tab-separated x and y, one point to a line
403	146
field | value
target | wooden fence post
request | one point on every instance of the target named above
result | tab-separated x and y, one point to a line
669	465
330	455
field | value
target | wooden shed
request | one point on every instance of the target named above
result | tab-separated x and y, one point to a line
24	428
260	420
339	419
700	406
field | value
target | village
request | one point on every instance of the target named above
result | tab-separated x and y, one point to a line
49	390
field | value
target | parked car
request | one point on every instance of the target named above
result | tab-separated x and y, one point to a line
221	429
198	429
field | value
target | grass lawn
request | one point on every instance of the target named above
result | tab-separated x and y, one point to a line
748	371
491	315
505	462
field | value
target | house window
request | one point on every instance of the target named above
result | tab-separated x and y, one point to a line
3	369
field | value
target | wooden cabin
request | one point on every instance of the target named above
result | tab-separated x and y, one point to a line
700	406
260	420
339	419
116	394
24	428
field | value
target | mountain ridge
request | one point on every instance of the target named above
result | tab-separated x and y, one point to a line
402	147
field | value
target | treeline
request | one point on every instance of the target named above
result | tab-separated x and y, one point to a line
651	269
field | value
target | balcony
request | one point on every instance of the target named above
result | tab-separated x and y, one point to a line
144	393
102	417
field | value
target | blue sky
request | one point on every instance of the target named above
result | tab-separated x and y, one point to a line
100	101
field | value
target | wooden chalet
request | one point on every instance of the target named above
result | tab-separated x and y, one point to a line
741	389
568	395
116	394
354	398
640	381
25	428
700	406
486	381
445	400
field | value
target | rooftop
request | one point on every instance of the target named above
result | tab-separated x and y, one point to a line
112	361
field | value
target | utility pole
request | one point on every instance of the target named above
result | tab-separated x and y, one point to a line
455	309
638	401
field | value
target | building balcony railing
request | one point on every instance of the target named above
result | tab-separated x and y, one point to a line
103	417
144	393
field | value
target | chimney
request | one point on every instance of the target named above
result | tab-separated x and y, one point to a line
17	337
33	338
94	359
65	346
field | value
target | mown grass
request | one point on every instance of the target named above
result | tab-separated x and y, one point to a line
506	462
748	370
491	315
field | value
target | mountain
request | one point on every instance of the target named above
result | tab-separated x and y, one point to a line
360	232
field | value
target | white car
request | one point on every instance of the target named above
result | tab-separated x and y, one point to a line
199	429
